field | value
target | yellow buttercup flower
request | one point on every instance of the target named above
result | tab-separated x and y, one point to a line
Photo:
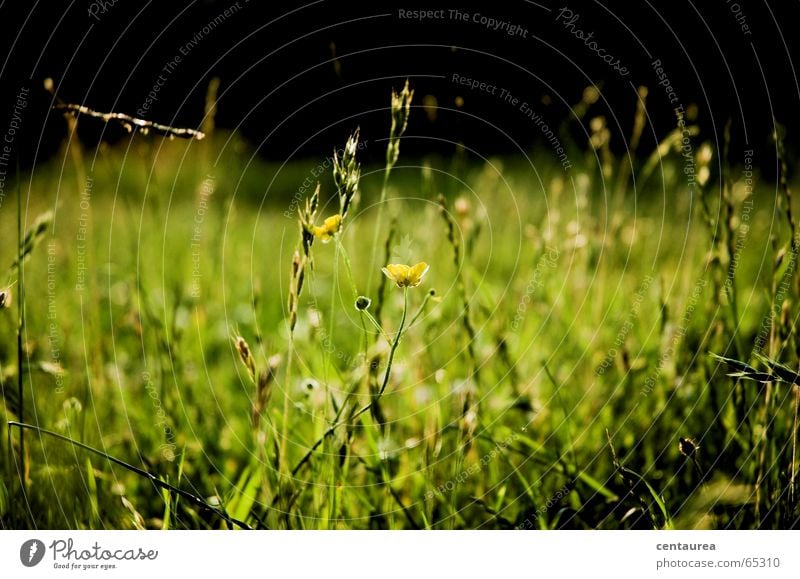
328	229
406	275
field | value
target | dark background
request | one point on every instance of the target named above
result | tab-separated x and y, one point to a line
297	78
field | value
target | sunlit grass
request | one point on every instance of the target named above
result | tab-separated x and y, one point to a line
180	319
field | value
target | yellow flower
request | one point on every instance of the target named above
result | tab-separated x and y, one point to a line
329	228
406	275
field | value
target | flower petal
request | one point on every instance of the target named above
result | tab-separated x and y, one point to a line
416	273
333	223
328	229
398	273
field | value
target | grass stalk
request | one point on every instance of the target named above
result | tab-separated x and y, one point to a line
367	407
143	473
21	329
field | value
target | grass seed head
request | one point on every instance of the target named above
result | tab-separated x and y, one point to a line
705	155
401	110
295	287
33	236
295	263
246	356
347	173
307	217
462	207
300	275
687	447
266	378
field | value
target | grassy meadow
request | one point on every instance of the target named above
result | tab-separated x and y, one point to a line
208	344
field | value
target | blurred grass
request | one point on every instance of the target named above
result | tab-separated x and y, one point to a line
562	278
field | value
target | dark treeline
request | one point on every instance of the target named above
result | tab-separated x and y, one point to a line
297	78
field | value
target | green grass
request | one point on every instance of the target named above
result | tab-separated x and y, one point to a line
558	402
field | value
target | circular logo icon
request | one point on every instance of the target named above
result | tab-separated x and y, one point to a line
32	552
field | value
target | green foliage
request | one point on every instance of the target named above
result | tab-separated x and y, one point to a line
545	384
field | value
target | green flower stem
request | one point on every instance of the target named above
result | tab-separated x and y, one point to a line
366	408
378	327
421	309
394	345
285	415
347	266
20	328
379	220
385	476
340	248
